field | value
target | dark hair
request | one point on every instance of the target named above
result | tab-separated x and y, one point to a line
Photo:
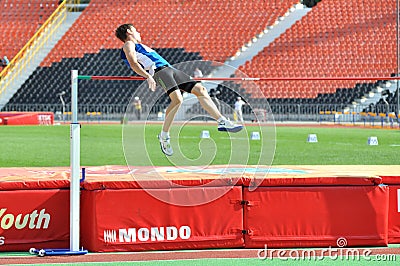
120	32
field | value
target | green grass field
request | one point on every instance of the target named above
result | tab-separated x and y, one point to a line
26	146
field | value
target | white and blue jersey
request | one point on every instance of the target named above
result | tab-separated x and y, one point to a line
147	57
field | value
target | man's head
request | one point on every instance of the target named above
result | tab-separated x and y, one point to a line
127	31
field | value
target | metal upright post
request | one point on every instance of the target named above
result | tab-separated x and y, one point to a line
75	166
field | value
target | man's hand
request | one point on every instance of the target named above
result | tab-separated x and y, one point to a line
152	83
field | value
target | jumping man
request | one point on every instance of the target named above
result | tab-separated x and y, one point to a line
156	70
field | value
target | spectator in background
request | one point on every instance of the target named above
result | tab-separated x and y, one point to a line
197	73
4	61
238	109
137	103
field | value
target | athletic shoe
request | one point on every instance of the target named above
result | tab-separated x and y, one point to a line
229	126
165	145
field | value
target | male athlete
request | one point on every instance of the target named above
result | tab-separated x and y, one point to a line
156	70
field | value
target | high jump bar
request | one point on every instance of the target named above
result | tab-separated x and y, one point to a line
82	77
75	135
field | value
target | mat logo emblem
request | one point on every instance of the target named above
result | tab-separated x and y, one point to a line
154	234
34	220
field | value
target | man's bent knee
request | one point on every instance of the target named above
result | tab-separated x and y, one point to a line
199	90
176	98
177	101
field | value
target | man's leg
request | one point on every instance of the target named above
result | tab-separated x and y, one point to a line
166	79
211	108
163	137
176	102
206	102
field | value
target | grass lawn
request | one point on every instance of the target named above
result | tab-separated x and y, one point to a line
24	146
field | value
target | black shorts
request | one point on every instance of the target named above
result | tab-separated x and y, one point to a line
172	79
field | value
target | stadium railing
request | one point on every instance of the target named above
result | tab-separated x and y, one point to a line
333	113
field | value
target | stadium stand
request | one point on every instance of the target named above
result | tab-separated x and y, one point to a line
330	43
20	20
186	24
91	47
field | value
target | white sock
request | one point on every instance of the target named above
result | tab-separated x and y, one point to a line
222	118
164	134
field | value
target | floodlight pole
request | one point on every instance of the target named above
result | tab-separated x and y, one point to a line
75	166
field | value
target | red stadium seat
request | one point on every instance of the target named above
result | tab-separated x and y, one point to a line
187	24
355	40
20	20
